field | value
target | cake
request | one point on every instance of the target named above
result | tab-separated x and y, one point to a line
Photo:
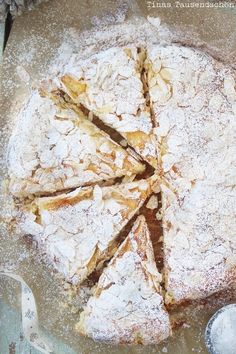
127	306
176	109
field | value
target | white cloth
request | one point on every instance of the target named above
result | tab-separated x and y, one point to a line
29	315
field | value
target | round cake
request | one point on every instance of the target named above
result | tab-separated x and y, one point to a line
173	111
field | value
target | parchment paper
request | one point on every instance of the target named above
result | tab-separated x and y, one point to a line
33	43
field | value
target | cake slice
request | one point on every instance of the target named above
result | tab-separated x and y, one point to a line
55	149
109	84
193	99
78	230
127	304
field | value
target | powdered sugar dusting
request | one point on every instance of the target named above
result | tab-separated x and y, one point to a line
138	31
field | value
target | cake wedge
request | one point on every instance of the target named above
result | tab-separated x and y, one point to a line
127	306
109	84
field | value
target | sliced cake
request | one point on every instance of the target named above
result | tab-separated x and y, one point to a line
79	230
109	84
55	149
127	304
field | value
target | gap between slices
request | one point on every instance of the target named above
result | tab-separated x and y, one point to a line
110	85
54	149
127	306
78	230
